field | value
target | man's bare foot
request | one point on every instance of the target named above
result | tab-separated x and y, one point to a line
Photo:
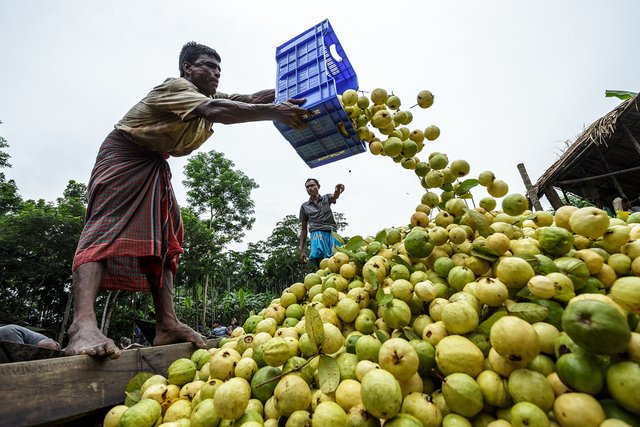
87	339
176	332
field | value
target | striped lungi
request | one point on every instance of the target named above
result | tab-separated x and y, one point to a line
133	221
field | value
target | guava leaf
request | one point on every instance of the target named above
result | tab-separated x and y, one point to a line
382	297
381	236
371	277
328	374
136	382
399	260
344	251
354	243
338	237
381	336
620	94
467	185
133	397
486	325
482	223
528	311
447	187
485	253
441	206
313	324
410	333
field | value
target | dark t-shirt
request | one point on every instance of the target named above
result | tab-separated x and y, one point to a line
320	216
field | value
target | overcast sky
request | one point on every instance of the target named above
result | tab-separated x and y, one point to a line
513	81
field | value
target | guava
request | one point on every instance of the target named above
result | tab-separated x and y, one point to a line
292	393
402	289
145	413
626	292
623	383
358	416
396	313
494	389
525	385
525	414
209	388
455	353
459	276
328	414
579	410
190	389
460	317
554	241
462	394
367	348
596	326
232	397
223	363
580	372
381	393
514	339
514	204
514	272
421	406
574	269
347	363
348	394
181	408
399	357
301	418
613	410
416	243
112	419
250	324
403	420
181	371
332	340
262	383
589	221
434	332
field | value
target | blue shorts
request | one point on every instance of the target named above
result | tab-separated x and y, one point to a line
322	243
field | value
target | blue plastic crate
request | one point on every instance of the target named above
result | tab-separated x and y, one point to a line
314	66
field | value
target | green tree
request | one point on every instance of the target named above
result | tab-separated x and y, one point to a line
37	243
220	196
9	198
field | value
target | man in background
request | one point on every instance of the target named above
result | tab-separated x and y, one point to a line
317	221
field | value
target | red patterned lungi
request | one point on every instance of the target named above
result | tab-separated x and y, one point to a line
133	221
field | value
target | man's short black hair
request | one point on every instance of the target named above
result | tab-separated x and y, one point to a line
190	53
312	179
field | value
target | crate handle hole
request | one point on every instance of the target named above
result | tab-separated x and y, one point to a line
334	52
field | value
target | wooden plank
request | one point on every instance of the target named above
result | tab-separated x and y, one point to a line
531	194
50	390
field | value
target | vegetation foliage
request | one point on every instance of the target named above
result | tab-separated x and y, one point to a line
38	240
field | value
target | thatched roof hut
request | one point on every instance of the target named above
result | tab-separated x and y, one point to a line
602	163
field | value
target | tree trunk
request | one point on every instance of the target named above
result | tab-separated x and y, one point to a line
112	306
204	299
65	319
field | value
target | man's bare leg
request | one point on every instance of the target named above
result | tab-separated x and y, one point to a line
84	335
169	329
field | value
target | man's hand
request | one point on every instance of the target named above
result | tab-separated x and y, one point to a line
339	188
303	257
291	115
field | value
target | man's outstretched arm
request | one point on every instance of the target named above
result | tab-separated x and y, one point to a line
303	241
337	192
